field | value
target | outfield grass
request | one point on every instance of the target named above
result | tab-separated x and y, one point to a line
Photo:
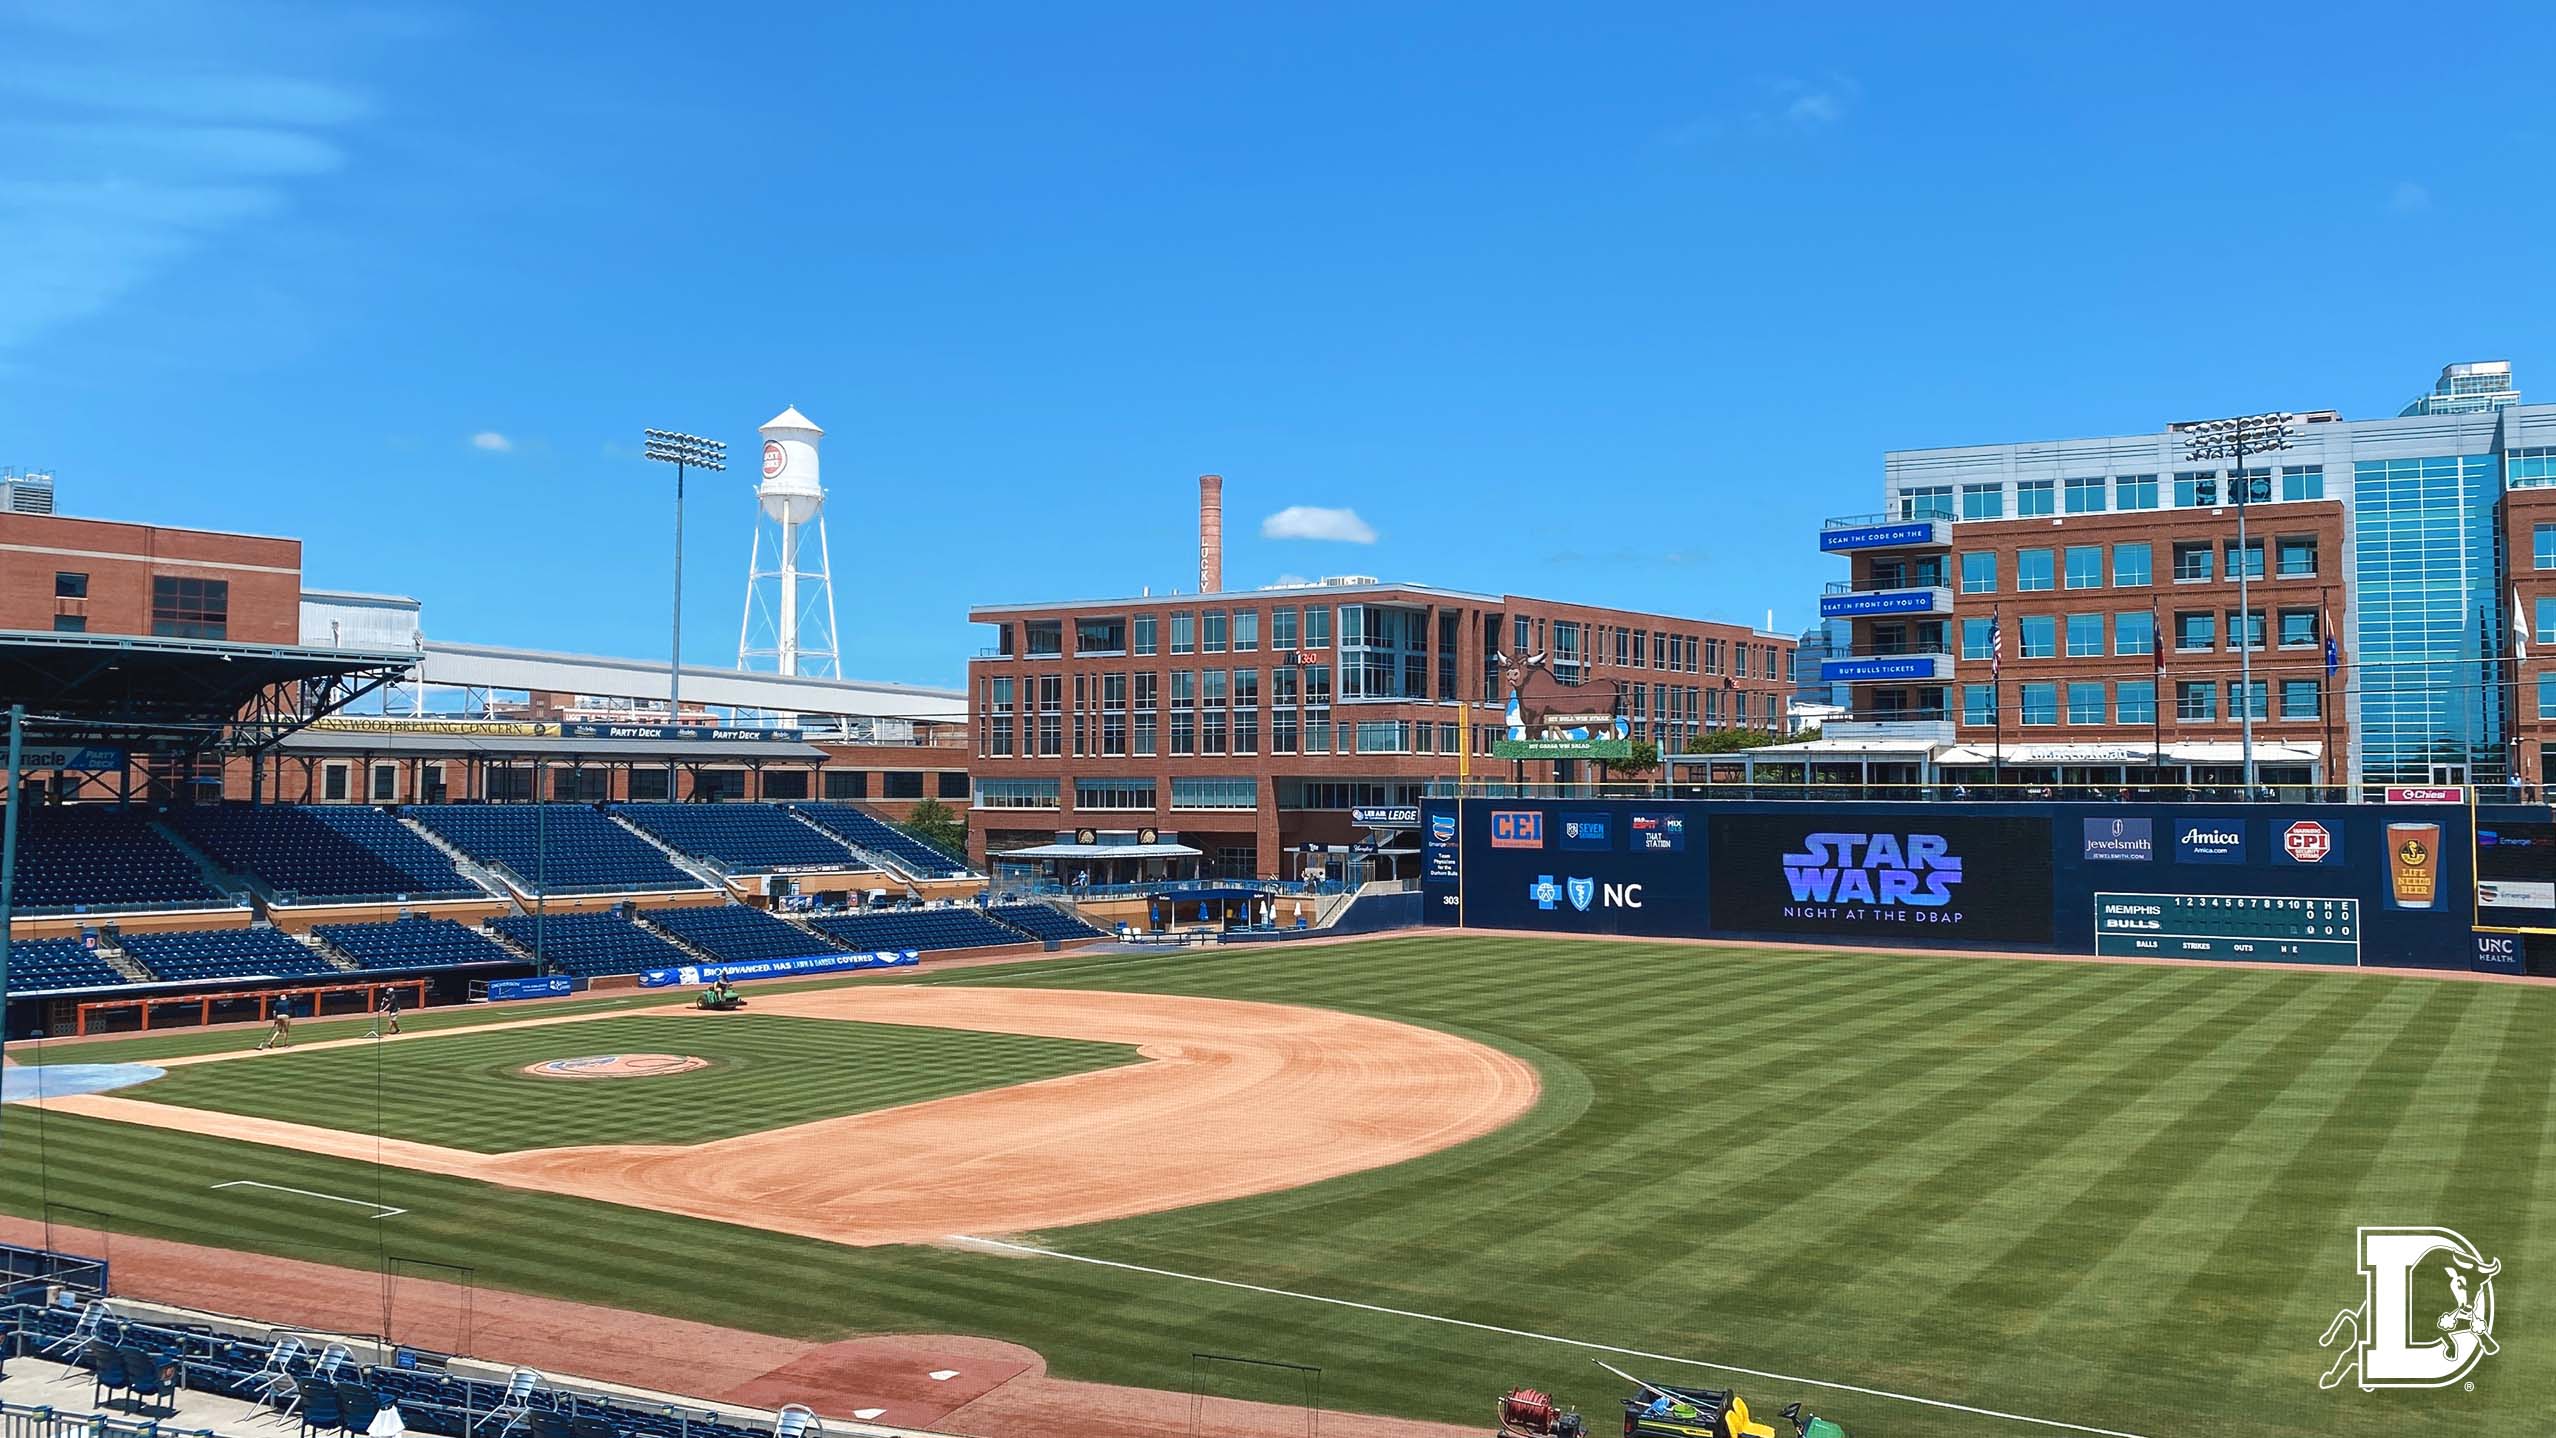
2117	1196
465	1090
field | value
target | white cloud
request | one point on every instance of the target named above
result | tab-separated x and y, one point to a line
1306	521
2408	197
1773	106
492	441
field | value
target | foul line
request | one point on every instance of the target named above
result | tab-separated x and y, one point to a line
386	1210
1001	1246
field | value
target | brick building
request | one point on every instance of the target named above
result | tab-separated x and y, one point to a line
1247	725
2529	538
97	576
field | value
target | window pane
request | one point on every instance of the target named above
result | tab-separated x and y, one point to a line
2036	497
2085	496
2033	569
2085	702
1983	501
2130	564
2040	703
2134	632
2085	635
2135	491
2085	566
2040	637
1979	572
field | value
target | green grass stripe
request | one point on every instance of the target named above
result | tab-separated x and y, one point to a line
466	1089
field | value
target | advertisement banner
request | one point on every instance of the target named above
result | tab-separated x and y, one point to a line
1888	601
2308	841
1444	864
1897	666
2498	954
2516	873
2120	840
1876	536
1517	828
2209	841
778	968
2413	865
1967	880
548	986
1588	833
1561	748
1659	833
1385	816
2426	794
85	758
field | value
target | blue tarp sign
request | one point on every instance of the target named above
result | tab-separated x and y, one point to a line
779	968
549	986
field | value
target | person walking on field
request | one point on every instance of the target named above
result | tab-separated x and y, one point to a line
387	1022
279	1031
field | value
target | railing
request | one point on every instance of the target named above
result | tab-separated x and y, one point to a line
1858	521
1899	651
1043	887
1799	789
1884	585
20	1421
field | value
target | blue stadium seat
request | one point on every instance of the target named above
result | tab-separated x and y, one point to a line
1044	921
867	831
916	929
39	964
742	837
224	954
586	852
591	944
323	851
735	933
413	943
90	856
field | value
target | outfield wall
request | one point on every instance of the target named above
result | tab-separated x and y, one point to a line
2305	883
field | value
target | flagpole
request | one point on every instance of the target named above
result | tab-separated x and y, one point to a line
2325	690
1997	697
2156	700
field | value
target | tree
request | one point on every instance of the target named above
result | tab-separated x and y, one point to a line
1644	759
937	824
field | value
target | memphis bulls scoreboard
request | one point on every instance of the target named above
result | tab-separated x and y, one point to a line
2256	927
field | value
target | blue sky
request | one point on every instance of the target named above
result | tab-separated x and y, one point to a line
1607	304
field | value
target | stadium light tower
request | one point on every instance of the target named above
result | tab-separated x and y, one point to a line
2233	440
683	451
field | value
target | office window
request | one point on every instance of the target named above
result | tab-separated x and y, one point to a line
1983	501
1143	626
1979	572
1282	627
2084	566
1184	632
2547	694
1318	627
2298	629
1926	502
1979	704
2135	491
2134	701
2196	699
838	784
2545	626
2134	631
2257	486
2085	701
2299	698
2192	563
2297	556
1043	638
1246	630
2131	564
2302	481
191	609
902	784
1015	793
2085	635
385	783
2196	489
76	586
2039	703
2196	630
2529	468
2033	570
2253	559
2035	497
2246	630
1114	795
2542	546
2039	637
2085	496
70	624
1221	793
2260	691
1212	631
1975	637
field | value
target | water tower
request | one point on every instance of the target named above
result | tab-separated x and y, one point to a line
789	609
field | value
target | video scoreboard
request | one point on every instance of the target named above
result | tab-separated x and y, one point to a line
2257	927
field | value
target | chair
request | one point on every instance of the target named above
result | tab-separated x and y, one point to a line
319	1408
331	1360
797	1420
92	1314
148	1376
274	1379
588	1425
357	1405
107	1375
516	1406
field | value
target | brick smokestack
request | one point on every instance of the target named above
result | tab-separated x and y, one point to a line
1211	533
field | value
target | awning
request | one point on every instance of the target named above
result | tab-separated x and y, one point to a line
1101	851
392	745
2193	751
1813	750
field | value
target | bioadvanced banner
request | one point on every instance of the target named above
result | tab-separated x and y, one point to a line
1968	880
778	968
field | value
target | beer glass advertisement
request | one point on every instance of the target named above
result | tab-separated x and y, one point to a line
1943	879
2413	864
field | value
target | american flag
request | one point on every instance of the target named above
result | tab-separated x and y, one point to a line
1996	642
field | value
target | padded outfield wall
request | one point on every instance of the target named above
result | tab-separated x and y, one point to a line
2305	883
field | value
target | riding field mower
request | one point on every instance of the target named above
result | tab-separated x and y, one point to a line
1668	1411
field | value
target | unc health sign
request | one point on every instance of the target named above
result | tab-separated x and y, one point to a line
1963	879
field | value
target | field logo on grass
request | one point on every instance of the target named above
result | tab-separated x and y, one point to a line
2406	1272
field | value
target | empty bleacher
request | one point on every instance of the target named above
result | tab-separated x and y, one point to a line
740	837
591	944
37	964
735	933
1044	921
952	928
223	954
867	831
90	856
413	943
565	848
310	852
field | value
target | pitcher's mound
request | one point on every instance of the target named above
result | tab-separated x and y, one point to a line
616	1066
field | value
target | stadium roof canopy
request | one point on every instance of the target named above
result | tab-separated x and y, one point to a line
430	745
180	694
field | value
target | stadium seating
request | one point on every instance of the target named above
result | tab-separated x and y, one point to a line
1044	921
85	855
734	933
322	851
586	851
413	944
740	836
223	954
868	831
591	944
36	964
916	929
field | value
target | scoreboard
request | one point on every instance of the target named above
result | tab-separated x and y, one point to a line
2258	927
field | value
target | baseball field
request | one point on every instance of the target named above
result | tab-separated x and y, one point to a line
1930	1195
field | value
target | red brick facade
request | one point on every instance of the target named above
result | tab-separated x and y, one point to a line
2528	513
102	577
